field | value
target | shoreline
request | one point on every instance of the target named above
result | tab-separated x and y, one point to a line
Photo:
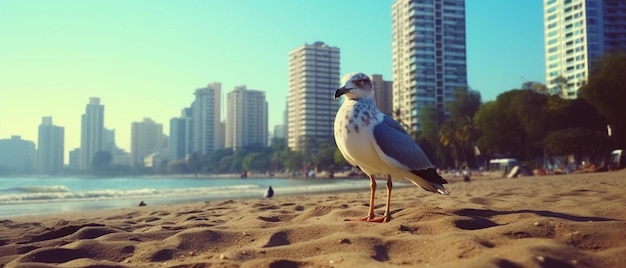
573	220
34	207
59	199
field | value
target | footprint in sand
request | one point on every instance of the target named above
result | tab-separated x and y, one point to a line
410	229
481	201
64	231
54	255
278	239
264	207
26	249
162	255
474	223
192	212
160	213
148	219
285	264
381	253
269	219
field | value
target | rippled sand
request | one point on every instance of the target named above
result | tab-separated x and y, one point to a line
552	221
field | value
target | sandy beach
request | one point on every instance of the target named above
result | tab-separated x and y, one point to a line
543	221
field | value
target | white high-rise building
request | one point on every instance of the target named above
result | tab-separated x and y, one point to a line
246	118
92	127
206	120
146	139
429	55
50	147
313	78
577	33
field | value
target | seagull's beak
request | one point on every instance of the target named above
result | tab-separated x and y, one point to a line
341	91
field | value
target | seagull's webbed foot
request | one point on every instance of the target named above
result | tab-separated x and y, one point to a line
370	215
382	219
366	218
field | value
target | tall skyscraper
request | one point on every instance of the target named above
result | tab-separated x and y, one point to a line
384	93
206	119
50	147
246	118
429	59
577	33
92	127
313	77
146	138
180	135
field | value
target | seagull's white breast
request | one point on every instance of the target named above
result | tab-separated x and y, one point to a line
354	135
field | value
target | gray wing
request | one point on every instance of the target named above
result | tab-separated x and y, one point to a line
397	144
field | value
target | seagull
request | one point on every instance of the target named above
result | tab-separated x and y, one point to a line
378	144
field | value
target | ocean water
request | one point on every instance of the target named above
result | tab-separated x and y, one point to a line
35	196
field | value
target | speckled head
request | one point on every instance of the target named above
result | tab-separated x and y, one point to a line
356	86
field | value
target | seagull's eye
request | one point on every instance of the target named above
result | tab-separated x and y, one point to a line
359	81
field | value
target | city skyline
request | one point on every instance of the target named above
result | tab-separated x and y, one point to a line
146	60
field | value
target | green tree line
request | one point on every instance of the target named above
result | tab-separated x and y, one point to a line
531	123
320	155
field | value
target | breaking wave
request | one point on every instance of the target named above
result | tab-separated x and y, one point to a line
25	195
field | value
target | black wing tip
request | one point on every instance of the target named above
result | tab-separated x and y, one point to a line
430	175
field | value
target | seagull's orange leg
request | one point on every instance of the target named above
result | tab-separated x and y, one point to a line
387	216
370	214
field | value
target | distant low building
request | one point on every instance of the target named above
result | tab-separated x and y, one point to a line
153	160
17	155
280	132
384	94
146	138
120	157
74	157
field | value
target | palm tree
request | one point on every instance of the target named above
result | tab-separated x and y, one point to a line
458	135
449	139
466	134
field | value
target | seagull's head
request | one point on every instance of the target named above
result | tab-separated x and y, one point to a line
356	86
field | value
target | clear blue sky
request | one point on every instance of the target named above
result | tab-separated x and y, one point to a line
145	58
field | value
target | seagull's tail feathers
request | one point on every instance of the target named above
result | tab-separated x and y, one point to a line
431	177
